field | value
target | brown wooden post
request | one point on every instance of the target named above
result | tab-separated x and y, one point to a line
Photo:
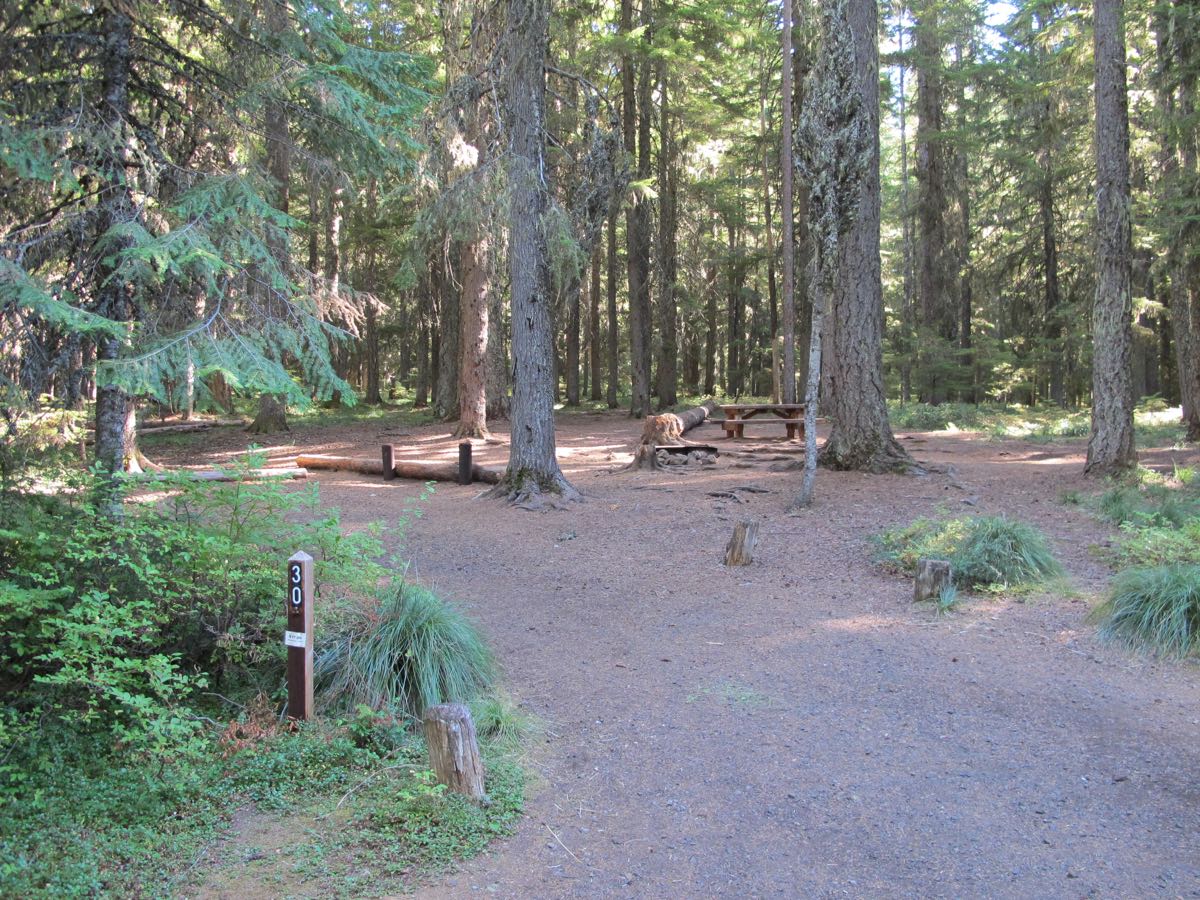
389	462
464	463
299	636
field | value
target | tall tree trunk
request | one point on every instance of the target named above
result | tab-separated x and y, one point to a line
1111	445
116	209
574	322
636	128
445	394
788	215
613	343
962	178
933	270
533	468
710	314
1053	294
907	317
272	410
668	358
371	267
860	435
473	339
594	329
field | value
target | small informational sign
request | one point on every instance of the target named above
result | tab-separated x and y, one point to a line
298	636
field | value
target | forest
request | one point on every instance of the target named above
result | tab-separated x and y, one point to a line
243	243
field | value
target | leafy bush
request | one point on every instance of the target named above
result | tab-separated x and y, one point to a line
410	652
1157	607
934	417
112	624
987	551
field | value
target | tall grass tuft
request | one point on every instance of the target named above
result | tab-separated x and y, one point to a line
988	551
415	652
1155	607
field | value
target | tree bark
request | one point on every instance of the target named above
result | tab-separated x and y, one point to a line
533	470
613	343
1111	444
116	209
636	131
594	349
473	339
860	435
788	215
934	295
668	357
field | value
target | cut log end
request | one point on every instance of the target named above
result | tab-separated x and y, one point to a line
740	549
933	577
454	750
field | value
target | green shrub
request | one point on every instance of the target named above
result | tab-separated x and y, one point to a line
934	417
409	653
1155	607
112	624
987	551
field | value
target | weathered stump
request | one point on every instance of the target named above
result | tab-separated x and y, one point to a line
933	577
453	750
740	549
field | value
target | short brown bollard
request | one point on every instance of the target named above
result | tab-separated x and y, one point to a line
453	750
388	452
465	475
299	636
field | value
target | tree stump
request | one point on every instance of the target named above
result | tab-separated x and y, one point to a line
740	549
933	577
272	415
453	750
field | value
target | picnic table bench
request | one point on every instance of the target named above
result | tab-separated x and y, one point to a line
739	415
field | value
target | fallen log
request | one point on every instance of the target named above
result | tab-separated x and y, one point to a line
199	425
668	428
421	471
216	474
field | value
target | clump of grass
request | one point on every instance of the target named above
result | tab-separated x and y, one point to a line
499	719
985	552
415	651
1156	607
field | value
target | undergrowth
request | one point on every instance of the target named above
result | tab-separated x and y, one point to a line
985	552
1156	608
409	651
126	641
363	814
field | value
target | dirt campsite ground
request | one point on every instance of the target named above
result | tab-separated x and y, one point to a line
798	727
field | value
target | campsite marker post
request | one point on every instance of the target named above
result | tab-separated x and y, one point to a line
299	636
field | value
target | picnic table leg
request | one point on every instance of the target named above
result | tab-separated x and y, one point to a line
791	430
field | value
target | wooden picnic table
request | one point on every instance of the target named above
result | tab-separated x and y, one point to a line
738	415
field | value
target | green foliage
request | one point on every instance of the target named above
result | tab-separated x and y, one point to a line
89	825
410	652
113	625
498	718
934	417
1155	607
990	552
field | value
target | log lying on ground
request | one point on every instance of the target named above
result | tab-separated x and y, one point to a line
218	474
199	425
421	471
668	428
